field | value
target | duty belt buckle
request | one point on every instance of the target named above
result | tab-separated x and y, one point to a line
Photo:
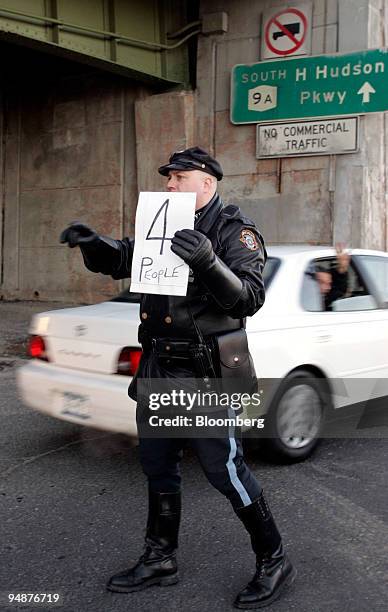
162	348
175	349
179	350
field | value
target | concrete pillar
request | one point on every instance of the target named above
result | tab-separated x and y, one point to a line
360	198
164	124
337	198
282	196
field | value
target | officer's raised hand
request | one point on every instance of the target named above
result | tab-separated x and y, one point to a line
77	233
100	253
193	247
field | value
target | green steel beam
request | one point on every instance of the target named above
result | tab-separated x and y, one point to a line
127	37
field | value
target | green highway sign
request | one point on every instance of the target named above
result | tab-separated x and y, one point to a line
317	86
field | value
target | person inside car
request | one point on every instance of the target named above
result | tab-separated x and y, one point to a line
333	284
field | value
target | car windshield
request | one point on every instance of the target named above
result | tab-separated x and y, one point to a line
270	269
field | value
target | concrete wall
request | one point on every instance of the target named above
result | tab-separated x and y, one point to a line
317	199
81	145
360	213
69	152
164	123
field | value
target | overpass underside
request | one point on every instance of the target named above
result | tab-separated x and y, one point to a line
146	40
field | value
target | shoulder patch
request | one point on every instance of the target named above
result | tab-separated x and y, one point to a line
248	238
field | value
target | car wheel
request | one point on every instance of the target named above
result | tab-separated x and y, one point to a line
295	418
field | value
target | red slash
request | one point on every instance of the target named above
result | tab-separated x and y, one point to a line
289	13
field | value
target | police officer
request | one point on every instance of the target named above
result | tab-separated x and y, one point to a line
226	256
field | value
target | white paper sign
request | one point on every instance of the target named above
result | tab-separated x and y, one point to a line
155	268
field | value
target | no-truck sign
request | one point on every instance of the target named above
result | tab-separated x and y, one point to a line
287	32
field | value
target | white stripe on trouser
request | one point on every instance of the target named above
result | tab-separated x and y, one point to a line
234	479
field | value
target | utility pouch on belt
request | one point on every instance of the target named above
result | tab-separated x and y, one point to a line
236	365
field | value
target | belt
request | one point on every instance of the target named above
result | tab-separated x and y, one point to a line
172	349
193	354
167	348
187	349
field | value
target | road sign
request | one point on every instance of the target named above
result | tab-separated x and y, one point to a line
320	86
287	31
296	139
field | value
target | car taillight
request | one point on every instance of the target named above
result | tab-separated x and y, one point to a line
37	348
128	361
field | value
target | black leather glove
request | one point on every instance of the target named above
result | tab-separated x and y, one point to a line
100	253
193	247
76	234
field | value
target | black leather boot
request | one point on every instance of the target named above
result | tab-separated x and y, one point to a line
274	571
158	563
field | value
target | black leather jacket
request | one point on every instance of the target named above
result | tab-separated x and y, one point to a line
218	297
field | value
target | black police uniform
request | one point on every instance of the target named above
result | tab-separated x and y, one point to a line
214	308
226	255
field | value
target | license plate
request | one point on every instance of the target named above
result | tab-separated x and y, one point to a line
73	404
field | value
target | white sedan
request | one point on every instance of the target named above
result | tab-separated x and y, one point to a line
314	352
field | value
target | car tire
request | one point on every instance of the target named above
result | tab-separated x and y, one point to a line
302	399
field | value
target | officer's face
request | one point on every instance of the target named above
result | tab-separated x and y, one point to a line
193	181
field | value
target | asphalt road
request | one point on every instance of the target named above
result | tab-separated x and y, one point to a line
73	510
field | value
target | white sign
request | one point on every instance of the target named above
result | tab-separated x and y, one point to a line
324	137
262	98
155	268
286	31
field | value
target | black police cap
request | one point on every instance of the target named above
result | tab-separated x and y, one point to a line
194	158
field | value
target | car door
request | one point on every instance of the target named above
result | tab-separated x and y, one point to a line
375	270
347	339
